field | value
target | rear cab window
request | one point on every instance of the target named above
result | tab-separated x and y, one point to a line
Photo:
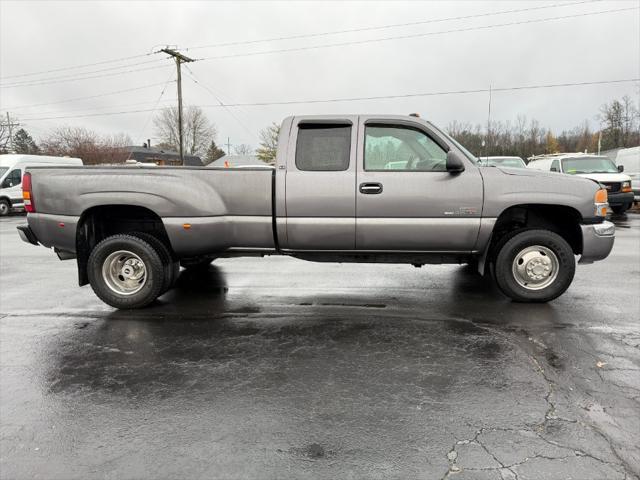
322	147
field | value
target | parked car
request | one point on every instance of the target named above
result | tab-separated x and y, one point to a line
330	198
513	162
12	168
598	168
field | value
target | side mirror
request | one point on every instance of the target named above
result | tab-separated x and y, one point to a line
554	169
621	168
454	162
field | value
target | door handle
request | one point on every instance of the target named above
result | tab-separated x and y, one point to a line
370	188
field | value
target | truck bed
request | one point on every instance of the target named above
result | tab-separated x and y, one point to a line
226	207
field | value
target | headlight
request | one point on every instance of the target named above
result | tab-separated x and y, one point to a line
625	186
601	202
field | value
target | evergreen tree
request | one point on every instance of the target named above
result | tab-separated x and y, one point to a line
24	143
214	152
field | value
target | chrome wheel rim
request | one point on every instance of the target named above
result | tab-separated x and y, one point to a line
535	267
124	272
4	208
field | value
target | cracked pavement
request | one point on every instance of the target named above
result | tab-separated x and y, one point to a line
278	368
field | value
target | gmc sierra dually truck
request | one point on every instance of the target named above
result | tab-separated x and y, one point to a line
345	188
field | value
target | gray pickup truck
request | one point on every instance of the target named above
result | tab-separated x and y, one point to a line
345	188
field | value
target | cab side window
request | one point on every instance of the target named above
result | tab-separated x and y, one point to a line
555	166
323	147
402	148
12	179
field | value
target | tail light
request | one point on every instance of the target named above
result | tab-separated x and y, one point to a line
27	193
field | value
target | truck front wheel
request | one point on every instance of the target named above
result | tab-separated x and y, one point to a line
534	266
126	272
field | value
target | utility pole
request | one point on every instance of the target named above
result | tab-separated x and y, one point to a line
228	146
10	125
180	59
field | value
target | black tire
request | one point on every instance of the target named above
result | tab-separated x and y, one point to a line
5	208
514	244
171	266
620	209
155	271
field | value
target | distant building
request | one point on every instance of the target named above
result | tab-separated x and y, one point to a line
160	156
236	161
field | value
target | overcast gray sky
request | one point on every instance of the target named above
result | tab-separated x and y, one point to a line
40	36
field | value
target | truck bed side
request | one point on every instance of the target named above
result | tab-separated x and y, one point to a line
224	207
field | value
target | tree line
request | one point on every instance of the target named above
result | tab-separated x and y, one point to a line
619	128
619	122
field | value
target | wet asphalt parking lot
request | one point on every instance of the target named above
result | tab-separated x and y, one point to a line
279	368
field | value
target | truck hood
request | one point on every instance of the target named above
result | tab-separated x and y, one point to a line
605	177
532	172
520	186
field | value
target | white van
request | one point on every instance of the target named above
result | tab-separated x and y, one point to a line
599	168
11	170
629	158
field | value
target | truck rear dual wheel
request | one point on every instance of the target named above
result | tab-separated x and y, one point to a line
126	271
172	267
534	265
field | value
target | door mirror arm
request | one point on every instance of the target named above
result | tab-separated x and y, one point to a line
455	164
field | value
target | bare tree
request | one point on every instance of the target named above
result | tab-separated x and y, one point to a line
91	147
268	143
619	120
197	130
243	149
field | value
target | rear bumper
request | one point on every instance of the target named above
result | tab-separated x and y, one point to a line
27	235
57	231
597	241
616	199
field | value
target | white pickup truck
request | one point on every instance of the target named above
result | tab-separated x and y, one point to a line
331	197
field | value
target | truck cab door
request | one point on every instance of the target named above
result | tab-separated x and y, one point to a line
406	199
319	186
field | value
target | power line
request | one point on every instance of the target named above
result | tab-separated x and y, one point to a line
155	107
75	99
415	35
121	59
294	37
220	102
388	26
92	109
380	97
73	75
427	94
86	78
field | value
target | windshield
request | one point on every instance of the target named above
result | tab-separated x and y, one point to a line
515	162
3	170
576	165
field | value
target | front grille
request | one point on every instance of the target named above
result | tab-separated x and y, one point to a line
612	187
